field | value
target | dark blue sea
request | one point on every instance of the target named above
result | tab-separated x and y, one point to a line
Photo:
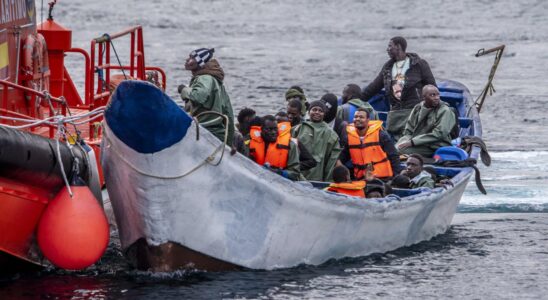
497	247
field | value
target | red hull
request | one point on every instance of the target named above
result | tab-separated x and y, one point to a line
31	61
21	206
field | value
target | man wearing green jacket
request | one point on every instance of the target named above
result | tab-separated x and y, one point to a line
429	125
207	93
414	170
322	142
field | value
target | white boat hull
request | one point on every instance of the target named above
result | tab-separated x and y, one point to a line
244	215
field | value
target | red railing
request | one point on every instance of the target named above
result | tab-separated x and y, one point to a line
6	111
101	64
96	89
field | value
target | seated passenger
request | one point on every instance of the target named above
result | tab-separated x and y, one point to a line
331	102
274	151
306	159
294	112
429	125
366	144
343	184
244	124
418	176
375	189
351	102
244	119
322	142
296	93
400	182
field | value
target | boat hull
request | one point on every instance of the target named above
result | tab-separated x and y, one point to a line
241	214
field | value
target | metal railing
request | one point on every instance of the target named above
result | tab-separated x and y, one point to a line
6	111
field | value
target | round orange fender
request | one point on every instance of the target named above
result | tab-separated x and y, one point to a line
73	232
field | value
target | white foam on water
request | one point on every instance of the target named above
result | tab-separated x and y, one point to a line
514	178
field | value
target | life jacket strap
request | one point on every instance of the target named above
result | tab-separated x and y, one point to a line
364	145
363	167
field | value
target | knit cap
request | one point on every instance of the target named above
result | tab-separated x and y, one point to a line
294	93
202	55
318	103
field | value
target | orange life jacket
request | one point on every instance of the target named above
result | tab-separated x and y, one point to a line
368	152
277	153
354	188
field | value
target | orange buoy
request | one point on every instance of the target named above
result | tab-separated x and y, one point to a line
73	232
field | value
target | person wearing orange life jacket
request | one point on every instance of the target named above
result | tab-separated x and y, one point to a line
271	146
343	185
365	145
306	159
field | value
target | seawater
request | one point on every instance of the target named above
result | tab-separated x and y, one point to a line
496	247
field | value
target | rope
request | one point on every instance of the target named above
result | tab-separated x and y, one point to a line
58	136
106	35
54	120
207	160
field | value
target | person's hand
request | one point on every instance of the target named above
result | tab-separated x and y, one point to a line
405	145
369	176
233	150
180	88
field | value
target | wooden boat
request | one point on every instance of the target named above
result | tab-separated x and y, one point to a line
179	203
46	126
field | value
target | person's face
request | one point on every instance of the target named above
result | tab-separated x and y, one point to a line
346	95
294	98
393	50
361	120
293	114
270	131
413	167
374	194
431	97
191	64
316	114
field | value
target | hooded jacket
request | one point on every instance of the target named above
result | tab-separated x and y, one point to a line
207	93
417	76
424	179
323	144
429	127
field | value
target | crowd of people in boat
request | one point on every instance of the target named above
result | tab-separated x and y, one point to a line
341	141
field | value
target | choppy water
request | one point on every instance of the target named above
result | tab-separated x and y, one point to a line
267	46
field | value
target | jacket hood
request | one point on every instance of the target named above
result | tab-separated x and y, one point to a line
212	68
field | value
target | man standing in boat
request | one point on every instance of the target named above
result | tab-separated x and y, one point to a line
402	77
207	93
429	125
367	145
271	146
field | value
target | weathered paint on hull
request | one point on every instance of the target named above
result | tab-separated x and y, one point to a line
244	215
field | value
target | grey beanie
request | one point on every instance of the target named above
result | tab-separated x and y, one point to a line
318	103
